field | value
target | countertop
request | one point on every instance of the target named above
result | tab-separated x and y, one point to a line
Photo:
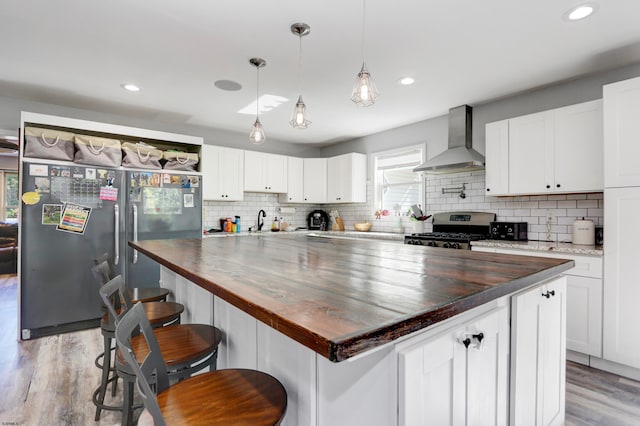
341	297
548	246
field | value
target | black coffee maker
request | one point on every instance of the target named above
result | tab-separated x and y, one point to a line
318	220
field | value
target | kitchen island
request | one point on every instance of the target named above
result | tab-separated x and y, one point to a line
340	321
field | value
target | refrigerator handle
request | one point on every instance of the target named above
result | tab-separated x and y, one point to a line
116	214
135	231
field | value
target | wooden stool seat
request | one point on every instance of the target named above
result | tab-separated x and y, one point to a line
158	314
224	397
144	294
180	345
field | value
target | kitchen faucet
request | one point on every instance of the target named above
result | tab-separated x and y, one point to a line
261	222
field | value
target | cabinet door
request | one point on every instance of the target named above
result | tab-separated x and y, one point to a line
538	346
315	180
211	182
578	148
488	369
336	168
254	172
622	133
276	173
621	290
497	158
232	174
295	181
531	153
432	382
584	315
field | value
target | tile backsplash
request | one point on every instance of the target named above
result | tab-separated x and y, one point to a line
561	209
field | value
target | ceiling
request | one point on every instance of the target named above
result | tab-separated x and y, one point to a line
77	53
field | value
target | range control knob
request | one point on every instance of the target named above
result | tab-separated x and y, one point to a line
446	245
432	244
454	245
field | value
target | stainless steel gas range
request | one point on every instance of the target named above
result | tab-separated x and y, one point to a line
454	230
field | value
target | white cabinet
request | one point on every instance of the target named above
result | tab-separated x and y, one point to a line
222	173
497	158
265	172
622	133
307	181
459	376
347	178
621	338
315	180
295	181
584	298
538	346
554	151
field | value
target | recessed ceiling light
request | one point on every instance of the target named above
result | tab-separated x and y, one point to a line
406	81
228	85
580	11
130	87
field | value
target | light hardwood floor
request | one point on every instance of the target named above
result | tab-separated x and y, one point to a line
49	381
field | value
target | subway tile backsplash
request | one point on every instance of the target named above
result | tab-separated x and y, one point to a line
562	209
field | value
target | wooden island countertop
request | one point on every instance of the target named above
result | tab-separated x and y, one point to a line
342	297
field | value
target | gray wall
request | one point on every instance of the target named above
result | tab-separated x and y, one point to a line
434	131
10	109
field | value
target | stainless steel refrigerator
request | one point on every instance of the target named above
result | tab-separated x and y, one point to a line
72	214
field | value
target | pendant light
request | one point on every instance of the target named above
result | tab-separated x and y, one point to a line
364	91
299	117
257	135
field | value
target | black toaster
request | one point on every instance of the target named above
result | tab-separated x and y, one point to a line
512	231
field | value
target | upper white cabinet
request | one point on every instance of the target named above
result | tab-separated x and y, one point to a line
347	178
265	172
295	181
497	158
315	180
622	133
223	173
441	378
538	355
555	151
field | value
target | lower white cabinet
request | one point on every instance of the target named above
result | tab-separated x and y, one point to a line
538	346
584	298
459	377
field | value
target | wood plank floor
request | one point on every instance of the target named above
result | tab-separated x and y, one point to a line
49	381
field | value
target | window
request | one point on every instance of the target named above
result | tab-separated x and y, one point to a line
10	196
397	185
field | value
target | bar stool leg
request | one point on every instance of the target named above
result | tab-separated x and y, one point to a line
99	394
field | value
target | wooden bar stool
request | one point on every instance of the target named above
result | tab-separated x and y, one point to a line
138	294
223	397
185	348
158	313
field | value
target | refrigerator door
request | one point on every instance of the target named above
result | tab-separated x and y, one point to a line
159	206
57	291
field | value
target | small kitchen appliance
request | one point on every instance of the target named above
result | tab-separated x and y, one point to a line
454	230
318	220
512	231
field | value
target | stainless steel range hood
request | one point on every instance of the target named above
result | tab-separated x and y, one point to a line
460	157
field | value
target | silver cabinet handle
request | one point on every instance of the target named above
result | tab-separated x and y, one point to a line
116	214
135	232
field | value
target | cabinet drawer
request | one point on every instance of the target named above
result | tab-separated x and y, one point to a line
586	266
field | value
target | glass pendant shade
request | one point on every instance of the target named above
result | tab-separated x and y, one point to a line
299	117
364	91
257	135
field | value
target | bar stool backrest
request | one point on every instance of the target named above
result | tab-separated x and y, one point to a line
150	370
105	257
115	296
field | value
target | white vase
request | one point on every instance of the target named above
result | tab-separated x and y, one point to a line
418	226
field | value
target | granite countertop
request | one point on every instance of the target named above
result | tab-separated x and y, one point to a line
340	296
548	246
330	234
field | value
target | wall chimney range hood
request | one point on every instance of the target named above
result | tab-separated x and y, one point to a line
460	156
